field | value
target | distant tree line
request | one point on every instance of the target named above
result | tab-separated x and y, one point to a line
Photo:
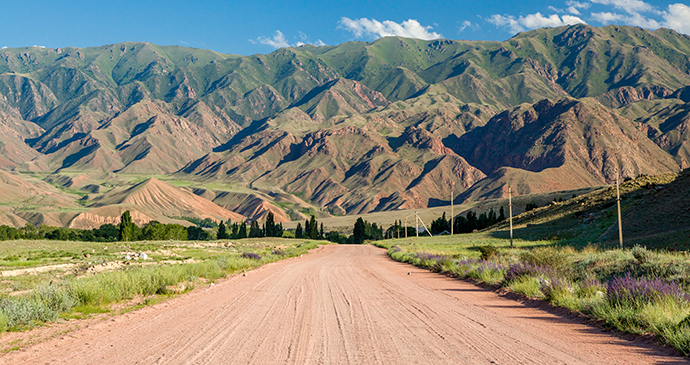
469	223
127	230
106	233
231	230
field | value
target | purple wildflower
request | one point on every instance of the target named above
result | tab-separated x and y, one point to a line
516	271
251	255
627	290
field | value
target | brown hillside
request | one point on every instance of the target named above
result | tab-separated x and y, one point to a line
340	97
524	182
164	199
252	206
15	188
13	150
581	134
112	214
670	129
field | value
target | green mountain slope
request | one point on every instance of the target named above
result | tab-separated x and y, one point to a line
360	126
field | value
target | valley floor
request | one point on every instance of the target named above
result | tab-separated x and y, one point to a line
340	304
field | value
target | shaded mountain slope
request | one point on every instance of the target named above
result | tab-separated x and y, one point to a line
670	207
670	129
580	134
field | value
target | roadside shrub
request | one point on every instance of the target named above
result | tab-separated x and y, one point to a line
3	322
23	311
57	299
488	252
279	252
558	259
488	272
433	262
527	285
465	265
560	292
641	254
520	270
590	287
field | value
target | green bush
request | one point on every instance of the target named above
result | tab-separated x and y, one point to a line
3	322
555	258
24	311
488	252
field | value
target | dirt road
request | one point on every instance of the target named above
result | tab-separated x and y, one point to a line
339	305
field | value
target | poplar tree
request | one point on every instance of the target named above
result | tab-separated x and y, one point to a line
298	231
126	227
222	232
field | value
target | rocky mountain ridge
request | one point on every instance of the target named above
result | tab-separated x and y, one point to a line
357	127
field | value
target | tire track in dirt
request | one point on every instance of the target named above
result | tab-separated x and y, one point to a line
340	305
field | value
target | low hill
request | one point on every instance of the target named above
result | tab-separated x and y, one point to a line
164	199
112	214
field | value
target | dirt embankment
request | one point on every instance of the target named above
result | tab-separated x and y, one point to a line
340	305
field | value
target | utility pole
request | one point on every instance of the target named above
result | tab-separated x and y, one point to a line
452	218
620	223
424	225
416	223
510	213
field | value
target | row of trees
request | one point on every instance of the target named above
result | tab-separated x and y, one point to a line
311	230
469	223
239	230
106	233
127	230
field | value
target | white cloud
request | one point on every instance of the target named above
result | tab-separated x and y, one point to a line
35	46
629	6
3	47
277	41
677	18
532	21
506	21
607	17
372	28
467	24
625	12
577	4
639	20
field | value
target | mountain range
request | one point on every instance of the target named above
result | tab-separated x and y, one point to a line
347	129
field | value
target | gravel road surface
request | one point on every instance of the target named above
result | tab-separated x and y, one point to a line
340	305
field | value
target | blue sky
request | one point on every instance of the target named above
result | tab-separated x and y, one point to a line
248	27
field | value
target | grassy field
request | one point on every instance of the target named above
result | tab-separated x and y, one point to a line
44	281
634	290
